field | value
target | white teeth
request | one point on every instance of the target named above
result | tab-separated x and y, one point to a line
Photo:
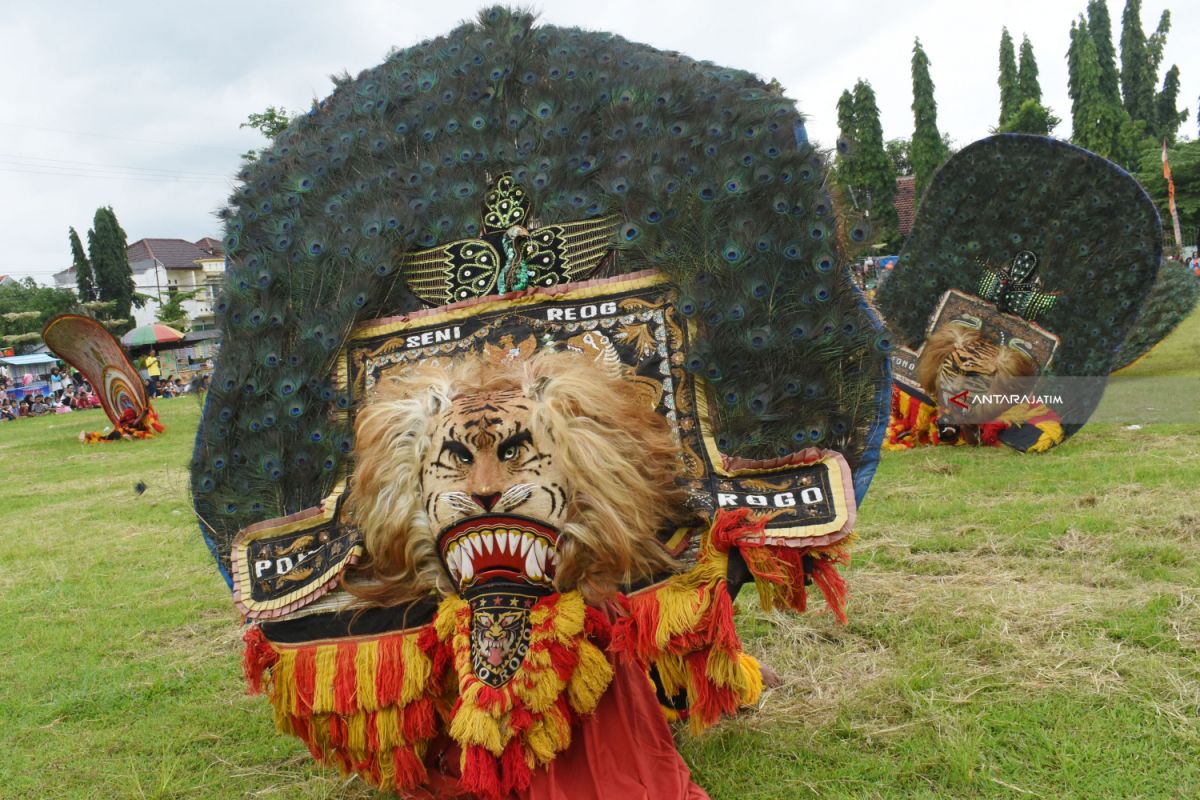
472	546
526	541
532	568
554	558
513	538
539	550
452	561
502	541
468	569
487	540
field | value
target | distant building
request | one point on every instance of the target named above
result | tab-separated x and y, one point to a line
163	267
7	280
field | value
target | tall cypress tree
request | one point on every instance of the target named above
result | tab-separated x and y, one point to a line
876	174
1168	118
1090	128
1100	25
1137	78
1074	82
1028	87
84	280
108	252
1097	124
1156	42
928	149
844	168
1008	77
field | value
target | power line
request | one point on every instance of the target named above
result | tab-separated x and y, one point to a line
116	176
118	138
19	159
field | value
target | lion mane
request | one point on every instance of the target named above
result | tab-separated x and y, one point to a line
619	456
959	339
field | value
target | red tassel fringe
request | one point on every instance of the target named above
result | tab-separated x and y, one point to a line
481	773
257	658
784	568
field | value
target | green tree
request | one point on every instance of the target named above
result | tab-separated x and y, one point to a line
928	149
844	168
1074	78
1184	158
1028	87
108	252
865	173
1096	124
1137	76
1008	77
1156	42
171	312
270	123
1100	26
1031	117
25	307
84	280
877	178
1168	118
900	152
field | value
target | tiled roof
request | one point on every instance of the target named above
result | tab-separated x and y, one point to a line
171	253
211	246
905	200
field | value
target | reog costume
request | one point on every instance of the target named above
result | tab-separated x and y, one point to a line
89	347
537	346
1028	262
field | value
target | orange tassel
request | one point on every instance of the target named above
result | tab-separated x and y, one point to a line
390	674
708	701
721	632
832	585
345	684
410	772
305	672
420	721
480	773
337	733
515	775
730	526
258	657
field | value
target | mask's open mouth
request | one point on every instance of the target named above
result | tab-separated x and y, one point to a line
491	547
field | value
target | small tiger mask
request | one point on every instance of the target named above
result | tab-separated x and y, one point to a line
552	438
960	357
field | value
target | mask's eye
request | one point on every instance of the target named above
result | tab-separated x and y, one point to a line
510	448
459	454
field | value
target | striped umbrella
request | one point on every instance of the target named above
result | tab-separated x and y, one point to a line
155	333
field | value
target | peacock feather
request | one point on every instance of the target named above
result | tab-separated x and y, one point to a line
1172	298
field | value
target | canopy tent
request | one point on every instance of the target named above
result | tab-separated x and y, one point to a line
25	373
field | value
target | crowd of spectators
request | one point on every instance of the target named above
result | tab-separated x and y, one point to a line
69	391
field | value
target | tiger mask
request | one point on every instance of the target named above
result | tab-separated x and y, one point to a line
959	357
552	438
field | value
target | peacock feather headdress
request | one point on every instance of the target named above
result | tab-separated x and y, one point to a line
388	196
1044	234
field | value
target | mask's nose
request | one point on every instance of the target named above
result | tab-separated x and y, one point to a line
487	501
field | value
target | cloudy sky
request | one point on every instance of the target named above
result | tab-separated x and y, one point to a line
137	104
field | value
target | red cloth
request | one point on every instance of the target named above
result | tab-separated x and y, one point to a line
624	751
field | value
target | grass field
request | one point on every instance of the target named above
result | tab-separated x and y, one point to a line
1019	627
